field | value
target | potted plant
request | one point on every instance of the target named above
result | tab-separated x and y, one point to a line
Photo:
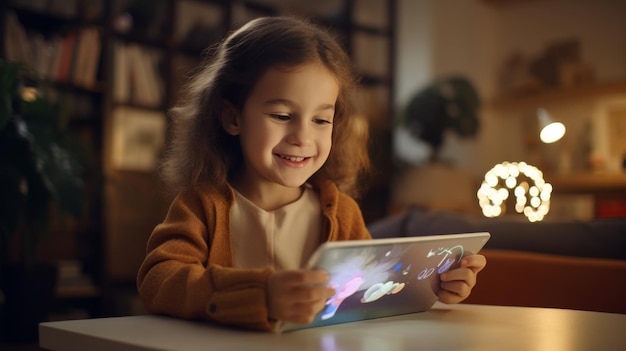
40	170
449	103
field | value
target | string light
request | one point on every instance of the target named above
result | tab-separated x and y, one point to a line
532	193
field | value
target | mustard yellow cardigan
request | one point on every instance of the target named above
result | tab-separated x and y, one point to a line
188	269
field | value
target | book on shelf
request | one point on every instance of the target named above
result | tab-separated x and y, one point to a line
66	56
136	75
54	53
16	44
78	58
71	58
148	88
121	74
88	54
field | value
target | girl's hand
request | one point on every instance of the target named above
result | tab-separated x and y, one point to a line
456	284
297	295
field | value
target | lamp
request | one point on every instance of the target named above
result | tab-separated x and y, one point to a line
551	131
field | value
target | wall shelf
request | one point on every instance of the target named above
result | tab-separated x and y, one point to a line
560	95
587	182
605	191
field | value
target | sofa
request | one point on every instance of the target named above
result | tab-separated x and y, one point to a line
556	264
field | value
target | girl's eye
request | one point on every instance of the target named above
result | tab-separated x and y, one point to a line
280	117
322	121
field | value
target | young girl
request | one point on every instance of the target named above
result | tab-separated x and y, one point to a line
260	151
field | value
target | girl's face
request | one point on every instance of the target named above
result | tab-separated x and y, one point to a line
286	125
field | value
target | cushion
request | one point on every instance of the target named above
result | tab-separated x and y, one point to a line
599	238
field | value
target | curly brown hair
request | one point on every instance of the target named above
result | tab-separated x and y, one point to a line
200	151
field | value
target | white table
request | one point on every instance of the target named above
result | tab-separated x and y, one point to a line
445	327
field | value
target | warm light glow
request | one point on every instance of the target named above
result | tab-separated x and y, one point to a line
551	131
511	182
532	195
29	94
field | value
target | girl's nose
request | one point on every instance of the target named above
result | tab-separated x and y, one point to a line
300	133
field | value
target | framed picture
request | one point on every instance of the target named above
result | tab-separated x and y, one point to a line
138	136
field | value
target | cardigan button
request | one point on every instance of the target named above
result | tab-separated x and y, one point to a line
329	205
212	308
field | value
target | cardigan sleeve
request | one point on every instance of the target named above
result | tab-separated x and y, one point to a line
177	279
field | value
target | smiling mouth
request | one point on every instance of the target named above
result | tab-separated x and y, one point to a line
292	158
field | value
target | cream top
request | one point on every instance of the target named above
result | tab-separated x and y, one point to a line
283	238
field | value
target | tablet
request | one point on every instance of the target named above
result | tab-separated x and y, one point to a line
386	277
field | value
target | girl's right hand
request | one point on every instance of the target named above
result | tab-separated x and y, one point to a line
296	296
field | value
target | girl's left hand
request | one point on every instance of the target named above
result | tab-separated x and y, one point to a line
456	284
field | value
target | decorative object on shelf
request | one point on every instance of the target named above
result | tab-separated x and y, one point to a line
449	103
40	169
560	65
146	18
138	138
532	193
199	25
550	131
514	77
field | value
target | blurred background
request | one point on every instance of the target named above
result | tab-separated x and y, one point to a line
454	94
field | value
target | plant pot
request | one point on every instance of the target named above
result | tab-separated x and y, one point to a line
28	295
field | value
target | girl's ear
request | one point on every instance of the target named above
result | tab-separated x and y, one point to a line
229	117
